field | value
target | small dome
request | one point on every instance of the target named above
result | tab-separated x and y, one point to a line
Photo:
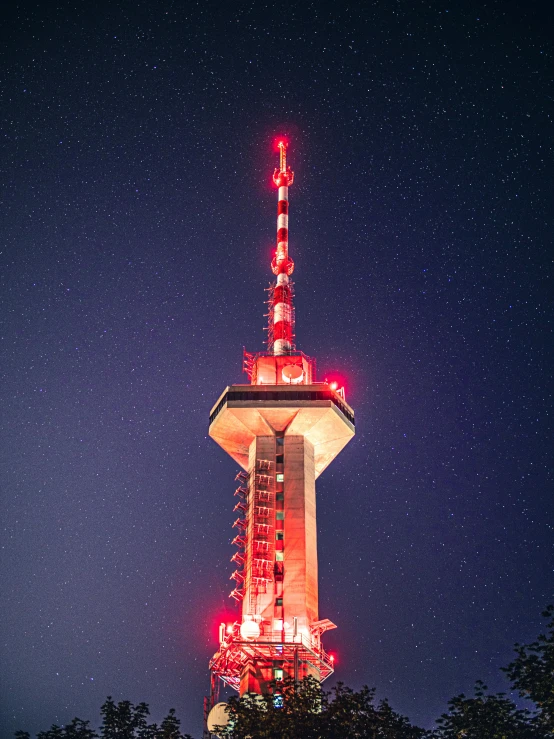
250	630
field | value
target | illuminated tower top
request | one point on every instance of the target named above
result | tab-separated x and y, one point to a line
281	310
282	364
283	177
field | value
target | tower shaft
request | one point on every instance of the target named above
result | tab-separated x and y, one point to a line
283	429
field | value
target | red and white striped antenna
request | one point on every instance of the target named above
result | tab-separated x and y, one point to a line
281	312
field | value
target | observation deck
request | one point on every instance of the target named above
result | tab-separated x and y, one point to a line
316	412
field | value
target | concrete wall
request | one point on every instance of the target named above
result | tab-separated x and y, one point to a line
300	586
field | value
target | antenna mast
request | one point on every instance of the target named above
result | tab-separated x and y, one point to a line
281	309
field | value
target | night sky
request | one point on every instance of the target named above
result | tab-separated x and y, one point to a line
138	227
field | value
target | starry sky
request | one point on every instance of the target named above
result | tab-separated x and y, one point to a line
138	227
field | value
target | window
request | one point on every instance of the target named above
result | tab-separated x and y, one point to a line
279	535
280	458
280	496
280	477
278	601
279	556
277	624
280	440
280	515
278	673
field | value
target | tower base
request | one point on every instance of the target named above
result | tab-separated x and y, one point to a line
251	666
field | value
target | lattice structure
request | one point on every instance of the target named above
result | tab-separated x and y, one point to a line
235	653
255	540
248	363
241	540
264	368
260	561
281	316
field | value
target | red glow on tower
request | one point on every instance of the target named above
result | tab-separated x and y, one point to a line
281	309
283	429
280	141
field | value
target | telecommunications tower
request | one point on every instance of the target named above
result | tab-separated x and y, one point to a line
283	429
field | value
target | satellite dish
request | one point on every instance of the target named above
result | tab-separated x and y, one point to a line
293	373
218	716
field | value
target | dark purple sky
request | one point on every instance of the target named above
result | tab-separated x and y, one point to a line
138	224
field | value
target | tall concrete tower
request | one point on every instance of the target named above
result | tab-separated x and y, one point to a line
283	429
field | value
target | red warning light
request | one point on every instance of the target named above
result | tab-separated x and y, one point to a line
335	386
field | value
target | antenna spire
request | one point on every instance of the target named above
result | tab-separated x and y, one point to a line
282	157
281	309
283	176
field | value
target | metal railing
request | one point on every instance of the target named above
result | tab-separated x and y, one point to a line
285	394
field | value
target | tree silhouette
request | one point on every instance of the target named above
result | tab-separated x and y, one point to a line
120	720
304	710
485	717
532	674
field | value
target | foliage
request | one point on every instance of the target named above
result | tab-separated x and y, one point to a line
352	714
306	711
170	728
119	721
485	717
77	729
532	674
125	721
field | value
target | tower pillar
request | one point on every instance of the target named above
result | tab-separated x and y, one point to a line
283	430
300	584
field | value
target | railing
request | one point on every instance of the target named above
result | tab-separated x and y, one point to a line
298	394
275	638
234	652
